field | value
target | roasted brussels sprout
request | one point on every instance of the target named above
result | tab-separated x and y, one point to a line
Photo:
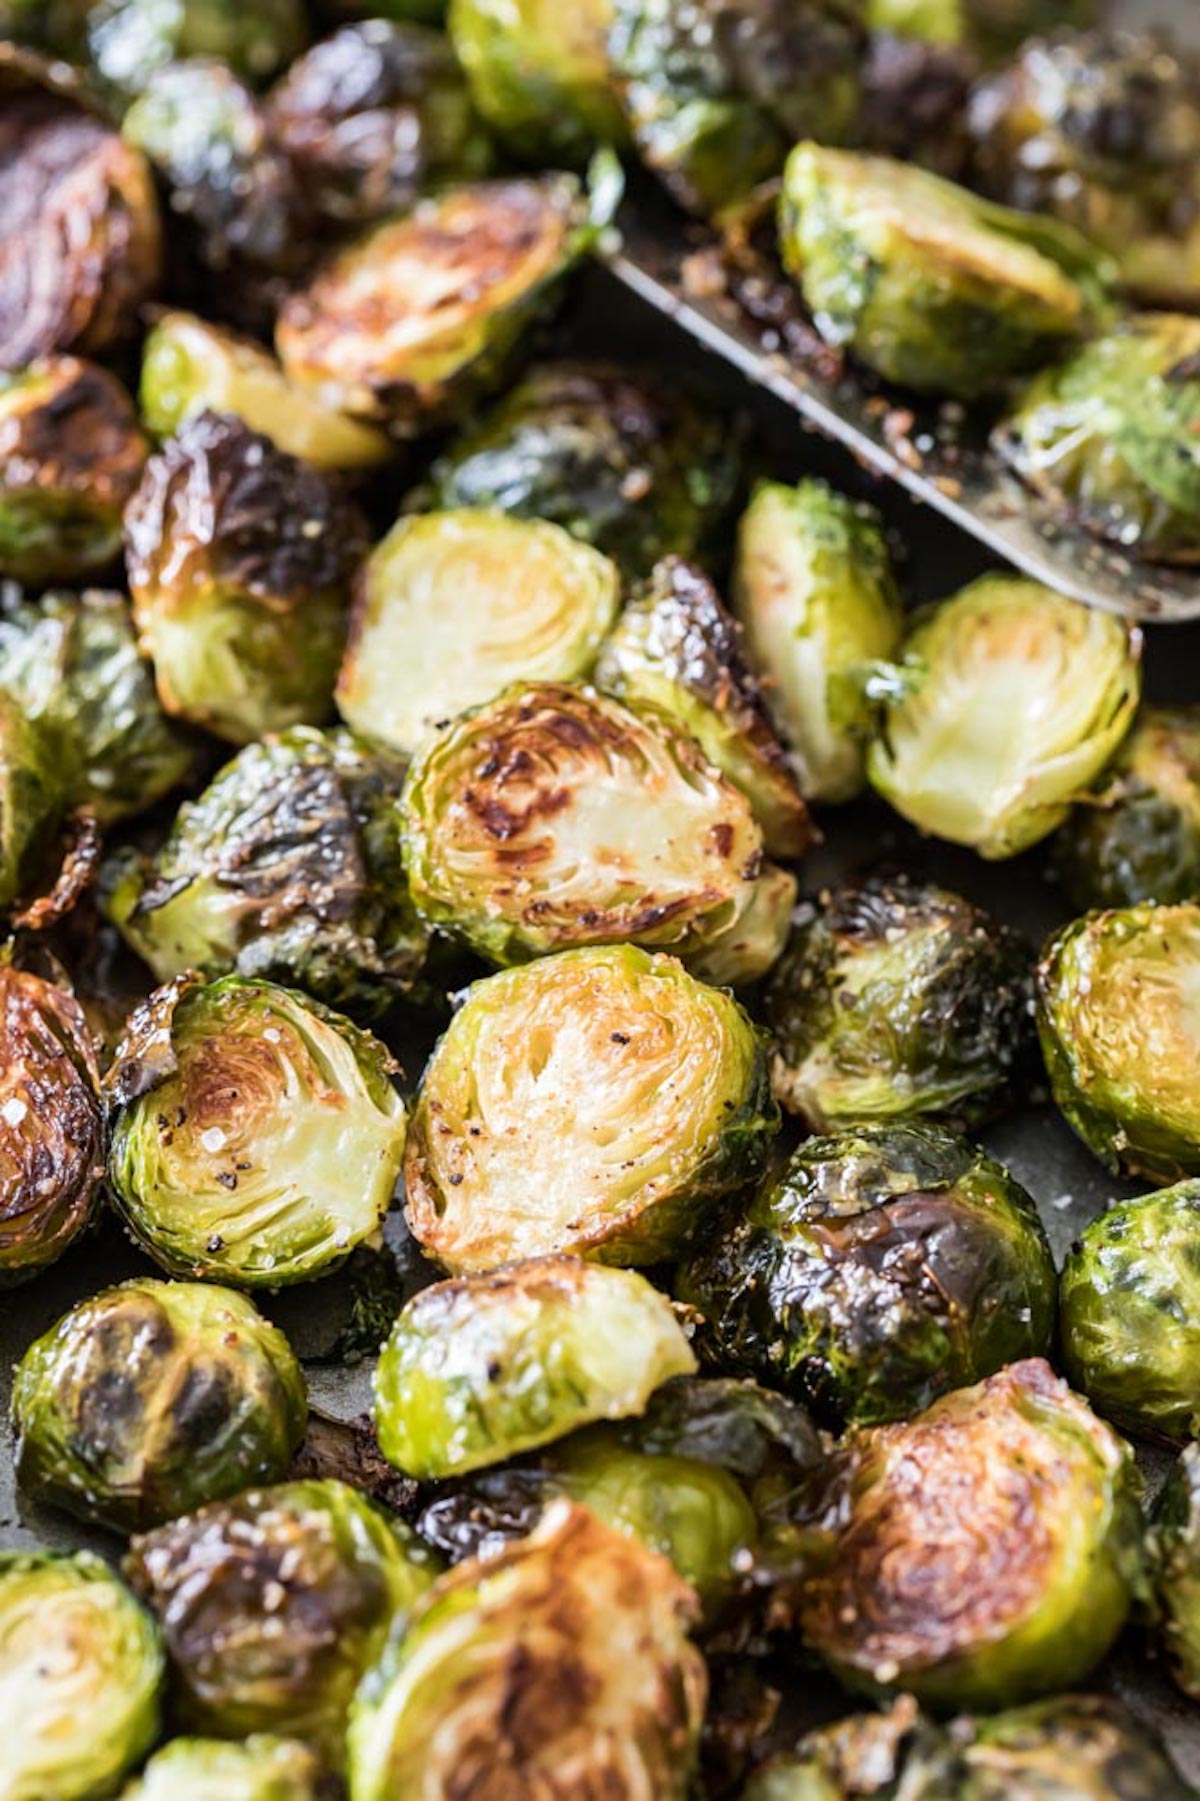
71	454
1022	699
539	74
614	456
72	662
885	1268
914	100
288	867
927	284
815	591
988	1550
1110	437
128	40
31	794
150	1399
51	1137
897	1000
1175	1566
1136	835
483	1367
372	115
555	817
560	1668
750	947
1115	1016
80	242
413	322
240	560
454	607
256	1135
994	27
717	92
677	649
83	1665
190	367
261	1769
638	1095
274	1603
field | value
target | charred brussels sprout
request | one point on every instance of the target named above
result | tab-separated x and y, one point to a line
31	794
539	74
885	1268
240	560
915	94
898	1000
560	1668
1175	1565
555	817
614	456
71	454
639	1095
150	1399
483	1367
128	40
988	1550
1102	130
274	1603
927	284
51	1138
256	1136
676	648
82	1665
1022	697
1085	1746
190	367
412	323
261	1769
1130	1319
1136	836
288	866
815	592
73	663
1110	437
717	92
1116	1015
80	246
455	607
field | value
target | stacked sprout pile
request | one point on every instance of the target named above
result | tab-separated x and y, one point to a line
372	679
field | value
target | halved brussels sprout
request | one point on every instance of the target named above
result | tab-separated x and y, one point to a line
926	283
71	454
539	74
1117	1020
72	662
289	867
483	1367
1022	698
81	1666
616	456
560	1667
556	817
815	590
190	367
51	1126
1136	835
372	115
638	1095
128	40
413	322
897	1000
273	1604
676	648
1133	1269
257	1137
150	1399
1175	1566
988	1550
261	1769
717	92
885	1268
454	607
750	947
240	561
1110	436
31	794
80	241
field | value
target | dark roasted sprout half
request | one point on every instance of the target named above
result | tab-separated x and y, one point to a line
539	73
